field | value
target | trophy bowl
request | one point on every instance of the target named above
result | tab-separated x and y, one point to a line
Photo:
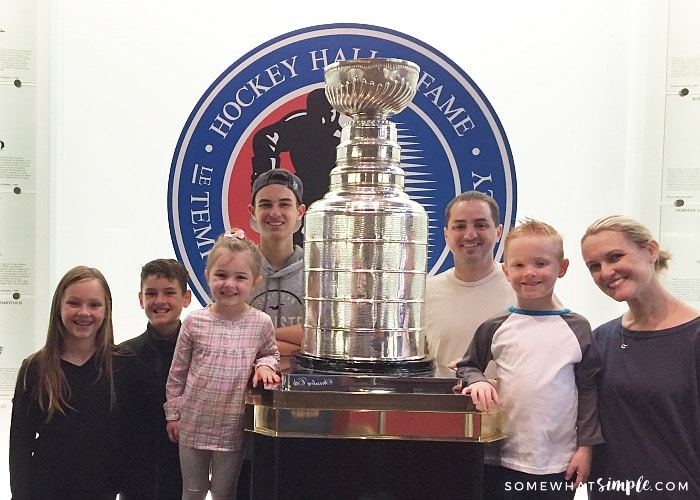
373	87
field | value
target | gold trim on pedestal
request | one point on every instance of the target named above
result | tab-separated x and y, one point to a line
371	415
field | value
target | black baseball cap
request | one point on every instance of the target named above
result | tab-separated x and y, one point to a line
278	176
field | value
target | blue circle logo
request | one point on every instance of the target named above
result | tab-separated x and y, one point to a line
267	110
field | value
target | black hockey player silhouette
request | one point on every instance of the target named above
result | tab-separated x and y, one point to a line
310	136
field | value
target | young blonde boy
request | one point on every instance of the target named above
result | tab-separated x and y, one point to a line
546	366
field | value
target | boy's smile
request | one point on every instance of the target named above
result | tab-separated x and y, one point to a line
532	267
162	300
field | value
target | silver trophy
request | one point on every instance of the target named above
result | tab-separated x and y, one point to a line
365	248
366	241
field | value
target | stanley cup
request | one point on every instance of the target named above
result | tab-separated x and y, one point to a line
366	241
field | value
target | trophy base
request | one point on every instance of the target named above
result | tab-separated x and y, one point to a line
301	363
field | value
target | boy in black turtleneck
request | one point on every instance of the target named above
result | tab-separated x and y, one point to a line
153	471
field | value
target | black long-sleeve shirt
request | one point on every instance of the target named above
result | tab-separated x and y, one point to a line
82	454
153	472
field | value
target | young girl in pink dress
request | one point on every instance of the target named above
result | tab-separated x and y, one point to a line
218	349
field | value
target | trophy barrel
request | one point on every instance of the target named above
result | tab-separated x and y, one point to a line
366	241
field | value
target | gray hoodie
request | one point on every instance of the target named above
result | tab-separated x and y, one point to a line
280	293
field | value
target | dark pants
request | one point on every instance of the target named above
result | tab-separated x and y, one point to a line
244	479
501	483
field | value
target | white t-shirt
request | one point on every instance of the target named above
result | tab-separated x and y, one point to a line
454	309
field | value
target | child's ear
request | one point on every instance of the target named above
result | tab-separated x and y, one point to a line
563	266
257	281
505	271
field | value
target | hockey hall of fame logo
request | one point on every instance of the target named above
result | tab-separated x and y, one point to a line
269	109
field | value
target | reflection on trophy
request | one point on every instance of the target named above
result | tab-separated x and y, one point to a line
362	412
365	241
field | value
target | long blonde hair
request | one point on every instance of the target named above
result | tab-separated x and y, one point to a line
52	391
634	231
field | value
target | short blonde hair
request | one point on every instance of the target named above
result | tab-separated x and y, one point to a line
532	227
634	231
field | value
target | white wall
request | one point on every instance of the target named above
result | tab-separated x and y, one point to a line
567	79
574	83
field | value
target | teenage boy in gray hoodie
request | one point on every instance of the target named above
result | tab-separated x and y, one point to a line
276	212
